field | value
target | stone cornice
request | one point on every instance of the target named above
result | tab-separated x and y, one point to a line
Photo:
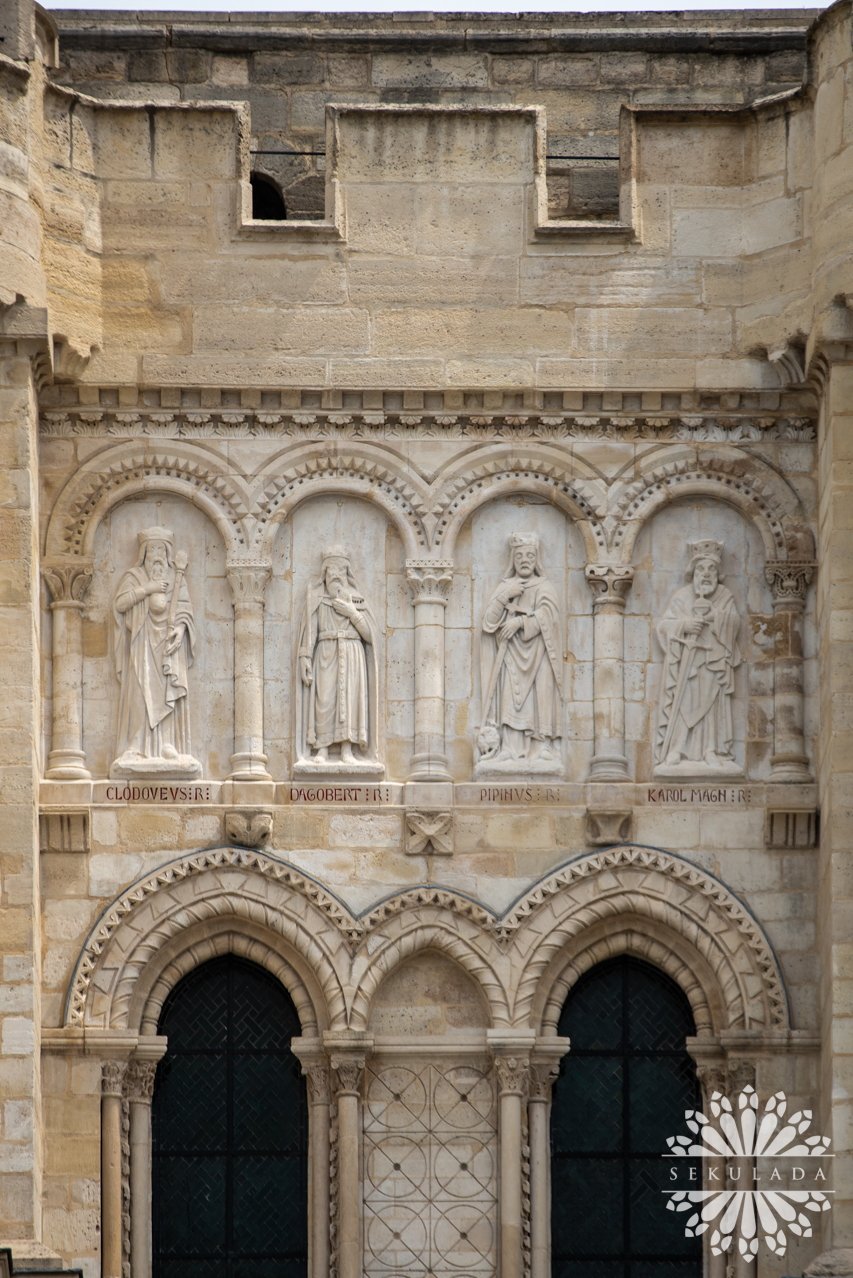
710	426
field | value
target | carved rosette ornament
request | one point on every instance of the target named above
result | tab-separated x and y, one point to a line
609	584
429	833
789	582
430	580
512	1074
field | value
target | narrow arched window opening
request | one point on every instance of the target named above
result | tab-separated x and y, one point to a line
230	1129
267	203
623	1088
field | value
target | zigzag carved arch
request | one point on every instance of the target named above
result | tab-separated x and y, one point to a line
414	932
229	889
362	473
127	470
763	498
653	892
510	470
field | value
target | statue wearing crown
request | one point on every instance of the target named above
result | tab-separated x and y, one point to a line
154	642
521	669
337	674
698	634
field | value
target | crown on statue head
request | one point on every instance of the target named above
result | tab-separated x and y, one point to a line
335	552
156	534
708	549
517	540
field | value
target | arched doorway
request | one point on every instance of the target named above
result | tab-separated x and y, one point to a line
623	1088
230	1129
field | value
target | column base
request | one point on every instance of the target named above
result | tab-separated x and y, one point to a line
609	767
429	767
790	768
67	765
248	766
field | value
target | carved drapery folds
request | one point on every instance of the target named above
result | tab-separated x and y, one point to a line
67	582
610	584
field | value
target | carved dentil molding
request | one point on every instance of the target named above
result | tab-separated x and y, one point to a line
430	579
67	580
610	584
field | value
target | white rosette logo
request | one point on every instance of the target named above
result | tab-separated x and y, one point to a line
747	1147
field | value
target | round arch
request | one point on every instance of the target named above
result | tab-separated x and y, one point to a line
764	499
630	892
155	927
403	938
137	469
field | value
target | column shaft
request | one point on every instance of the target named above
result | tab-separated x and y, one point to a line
789	582
538	1113
349	1195
248	582
67	582
429	581
140	1088
512	1078
112	1078
610	584
319	1100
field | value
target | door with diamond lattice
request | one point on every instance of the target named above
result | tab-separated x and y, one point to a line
623	1088
430	1171
229	1128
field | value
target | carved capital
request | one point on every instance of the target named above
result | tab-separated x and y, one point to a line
609	584
430	579
67	580
712	1077
512	1074
429	832
789	581
248	581
349	1070
741	1074
248	828
319	1083
140	1081
542	1078
112	1077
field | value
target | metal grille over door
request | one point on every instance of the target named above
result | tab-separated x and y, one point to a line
622	1090
230	1129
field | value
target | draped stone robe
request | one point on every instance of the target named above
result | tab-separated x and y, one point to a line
526	697
339	697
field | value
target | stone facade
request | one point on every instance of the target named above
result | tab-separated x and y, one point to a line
426	595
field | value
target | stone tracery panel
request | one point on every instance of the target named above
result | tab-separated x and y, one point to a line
430	1170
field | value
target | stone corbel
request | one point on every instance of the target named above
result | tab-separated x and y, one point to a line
789	581
608	826
429	581
248	581
609	584
67	581
429	833
248	828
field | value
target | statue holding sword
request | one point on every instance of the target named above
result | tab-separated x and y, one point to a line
698	634
521	666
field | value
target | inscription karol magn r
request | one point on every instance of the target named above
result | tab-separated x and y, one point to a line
698	794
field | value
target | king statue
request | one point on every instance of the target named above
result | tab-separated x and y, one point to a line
337	668
521	667
154	643
698	634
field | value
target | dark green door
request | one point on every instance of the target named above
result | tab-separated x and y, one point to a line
623	1088
230	1129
